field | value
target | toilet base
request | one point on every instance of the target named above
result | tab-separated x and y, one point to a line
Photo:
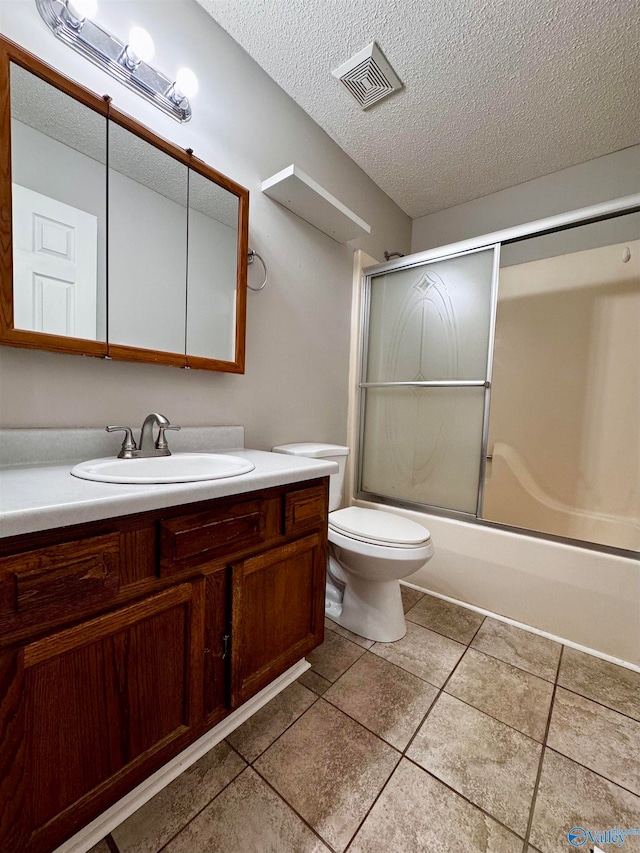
371	609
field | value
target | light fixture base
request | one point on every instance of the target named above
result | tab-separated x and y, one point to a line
105	50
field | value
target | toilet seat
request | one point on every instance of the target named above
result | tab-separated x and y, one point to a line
378	528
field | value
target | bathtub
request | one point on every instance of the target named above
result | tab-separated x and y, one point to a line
586	598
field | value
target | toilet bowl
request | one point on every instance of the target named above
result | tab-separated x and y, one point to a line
374	550
370	551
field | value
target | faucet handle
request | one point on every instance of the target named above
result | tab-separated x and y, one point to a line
161	443
128	445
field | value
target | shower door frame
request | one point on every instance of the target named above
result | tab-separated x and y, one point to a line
435	383
537	228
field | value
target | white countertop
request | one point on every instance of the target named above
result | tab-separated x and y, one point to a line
42	497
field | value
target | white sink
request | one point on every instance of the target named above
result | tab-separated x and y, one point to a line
177	468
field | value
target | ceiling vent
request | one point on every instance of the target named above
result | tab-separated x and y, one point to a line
368	76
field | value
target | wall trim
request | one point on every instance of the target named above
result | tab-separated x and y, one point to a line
95	831
531	629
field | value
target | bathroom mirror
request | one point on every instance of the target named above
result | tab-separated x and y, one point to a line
211	284
143	260
147	244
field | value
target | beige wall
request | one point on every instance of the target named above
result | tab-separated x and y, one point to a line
295	386
566	396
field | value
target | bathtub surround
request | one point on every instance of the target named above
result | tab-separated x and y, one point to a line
565	444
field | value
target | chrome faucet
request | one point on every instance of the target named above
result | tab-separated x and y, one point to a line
148	447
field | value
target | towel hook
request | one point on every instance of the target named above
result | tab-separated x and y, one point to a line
250	259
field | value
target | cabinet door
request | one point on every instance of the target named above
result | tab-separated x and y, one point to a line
103	705
277	613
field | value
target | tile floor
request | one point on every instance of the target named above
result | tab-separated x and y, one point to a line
466	736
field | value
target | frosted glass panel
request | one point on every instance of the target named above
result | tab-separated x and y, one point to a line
424	445
432	321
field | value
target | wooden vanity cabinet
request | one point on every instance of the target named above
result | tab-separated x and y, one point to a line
122	642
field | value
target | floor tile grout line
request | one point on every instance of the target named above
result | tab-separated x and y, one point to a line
362	725
476	632
247	764
404	669
438	695
342	637
358	723
514	665
600	704
393	663
553	682
463	797
362	650
277	738
294	810
591	770
375	800
440	634
199	812
491	717
440	691
359	645
536	785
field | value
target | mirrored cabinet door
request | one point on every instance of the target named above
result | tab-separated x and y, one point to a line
212	269
58	191
147	245
114	242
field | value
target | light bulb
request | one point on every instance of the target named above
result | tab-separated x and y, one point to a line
140	44
81	9
186	82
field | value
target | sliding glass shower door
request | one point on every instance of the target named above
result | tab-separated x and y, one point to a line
426	380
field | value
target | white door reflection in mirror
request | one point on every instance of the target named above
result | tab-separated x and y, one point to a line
58	169
55	250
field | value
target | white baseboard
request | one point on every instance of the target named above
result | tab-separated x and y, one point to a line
524	627
94	832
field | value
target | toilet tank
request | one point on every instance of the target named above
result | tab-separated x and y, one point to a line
333	452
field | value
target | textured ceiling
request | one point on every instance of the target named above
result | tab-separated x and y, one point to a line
497	92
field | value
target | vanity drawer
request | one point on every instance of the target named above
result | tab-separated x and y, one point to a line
305	508
55	583
189	540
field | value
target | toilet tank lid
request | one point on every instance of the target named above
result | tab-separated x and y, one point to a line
312	450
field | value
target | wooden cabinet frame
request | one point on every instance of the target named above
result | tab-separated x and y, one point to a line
12	53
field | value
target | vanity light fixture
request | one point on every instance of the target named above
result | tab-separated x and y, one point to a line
72	22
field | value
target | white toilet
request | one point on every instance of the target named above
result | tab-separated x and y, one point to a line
370	551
